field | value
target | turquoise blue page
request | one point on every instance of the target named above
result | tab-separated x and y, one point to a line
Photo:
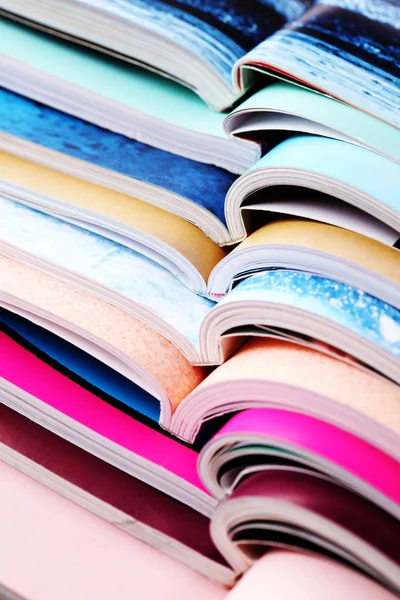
127	84
299	101
349	307
352	165
83	365
106	263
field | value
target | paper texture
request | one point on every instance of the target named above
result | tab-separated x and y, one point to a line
29	373
104	262
311	204
359	249
333	444
105	484
65	552
107	323
350	165
205	38
293	365
335	504
133	87
295	576
81	366
202	184
349	50
317	108
337	302
187	239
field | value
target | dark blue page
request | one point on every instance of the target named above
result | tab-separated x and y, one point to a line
203	184
83	365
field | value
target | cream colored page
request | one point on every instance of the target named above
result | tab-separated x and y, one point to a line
294	365
345	244
137	341
181	235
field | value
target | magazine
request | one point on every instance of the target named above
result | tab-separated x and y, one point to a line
264	457
221	48
109	284
200	282
119	97
340	177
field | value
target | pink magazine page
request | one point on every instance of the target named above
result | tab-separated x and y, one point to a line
26	371
55	550
323	439
292	576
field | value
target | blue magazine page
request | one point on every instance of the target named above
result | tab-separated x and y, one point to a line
127	275
83	365
341	163
335	302
349	49
206	37
119	96
204	185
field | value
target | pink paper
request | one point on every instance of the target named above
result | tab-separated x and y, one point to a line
29	373
290	576
54	550
332	443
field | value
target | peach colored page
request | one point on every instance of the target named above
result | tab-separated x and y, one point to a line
54	550
185	237
295	365
292	576
351	246
148	349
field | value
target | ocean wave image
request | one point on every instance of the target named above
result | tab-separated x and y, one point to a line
353	34
219	31
349	307
343	53
203	184
382	11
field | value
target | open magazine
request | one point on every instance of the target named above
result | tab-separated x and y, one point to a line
340	178
177	212
200	310
71	293
209	46
286	480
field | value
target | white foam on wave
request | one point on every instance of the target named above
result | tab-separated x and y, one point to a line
383	11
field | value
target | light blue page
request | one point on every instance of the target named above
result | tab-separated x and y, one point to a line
296	100
105	262
362	169
349	307
132	86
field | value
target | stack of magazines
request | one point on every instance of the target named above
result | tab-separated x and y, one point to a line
200	277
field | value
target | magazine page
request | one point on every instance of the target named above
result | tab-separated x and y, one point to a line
310	578
286	108
337	314
112	432
195	42
346	172
111	159
103	267
347	49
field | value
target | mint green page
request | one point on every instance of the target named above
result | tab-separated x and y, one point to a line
262	448
356	167
298	101
127	84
